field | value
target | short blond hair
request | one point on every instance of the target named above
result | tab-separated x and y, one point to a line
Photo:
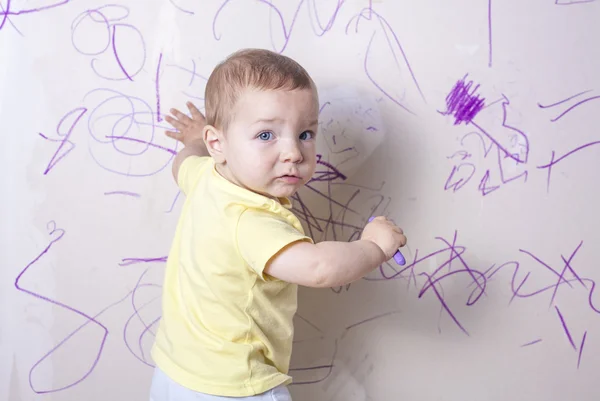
249	68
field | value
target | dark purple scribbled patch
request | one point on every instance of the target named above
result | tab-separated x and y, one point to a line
463	102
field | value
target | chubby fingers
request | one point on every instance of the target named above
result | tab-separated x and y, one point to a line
180	121
178	136
196	114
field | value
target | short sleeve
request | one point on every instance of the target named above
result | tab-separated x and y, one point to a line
190	170
262	234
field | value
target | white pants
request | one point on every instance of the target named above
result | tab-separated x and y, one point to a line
165	389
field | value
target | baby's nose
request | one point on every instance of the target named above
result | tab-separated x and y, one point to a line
291	153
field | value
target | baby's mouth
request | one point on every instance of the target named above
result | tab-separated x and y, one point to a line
290	178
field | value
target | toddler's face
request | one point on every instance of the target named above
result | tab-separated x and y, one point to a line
270	144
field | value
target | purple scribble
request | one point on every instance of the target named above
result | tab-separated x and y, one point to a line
132	261
4	13
287	31
126	193
332	19
130	120
503	178
60	152
571	2
394	45
89	319
110	25
122	138
114	47
517	133
75	27
328	370
561	279
463	102
581	349
571	270
158	117
173	203
561	115
532	342
193	73
564	325
514	138
483	184
434	280
56	234
553	161
180	8
5	19
541	106
136	314
479	279
369	320
381	25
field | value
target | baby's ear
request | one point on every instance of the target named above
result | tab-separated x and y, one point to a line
214	140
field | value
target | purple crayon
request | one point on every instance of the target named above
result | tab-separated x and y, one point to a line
398	257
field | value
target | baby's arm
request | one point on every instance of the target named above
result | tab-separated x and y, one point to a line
189	133
334	263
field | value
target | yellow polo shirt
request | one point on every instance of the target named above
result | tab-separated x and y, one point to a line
226	327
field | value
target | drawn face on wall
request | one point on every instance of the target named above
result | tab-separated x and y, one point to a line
269	146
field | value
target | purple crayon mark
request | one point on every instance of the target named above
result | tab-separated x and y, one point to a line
463	103
564	324
114	47
541	106
110	27
128	125
573	107
555	161
460	182
174	201
380	24
571	270
532	342
517	133
132	261
89	319
121	138
328	368
136	313
180	8
571	2
581	349
370	320
158	117
394	45
58	155
6	12
192	72
398	257
483	184
127	193
287	31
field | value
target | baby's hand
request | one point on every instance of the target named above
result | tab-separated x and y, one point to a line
384	234
190	129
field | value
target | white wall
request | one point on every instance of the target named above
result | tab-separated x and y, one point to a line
88	219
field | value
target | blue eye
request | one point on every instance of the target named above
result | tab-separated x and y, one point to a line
306	135
265	136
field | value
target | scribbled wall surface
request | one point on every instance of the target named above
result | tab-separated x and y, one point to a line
473	124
